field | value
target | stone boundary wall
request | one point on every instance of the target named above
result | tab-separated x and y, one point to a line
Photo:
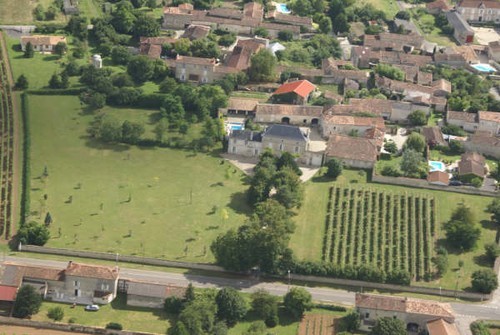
214	268
420	183
65	327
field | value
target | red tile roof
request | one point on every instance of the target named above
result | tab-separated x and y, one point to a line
8	293
91	271
355	148
441	327
438	177
300	87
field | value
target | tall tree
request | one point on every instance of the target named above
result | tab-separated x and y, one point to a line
146	26
484	281
60	48
262	66
265	306
28	302
297	301
231	306
33	233
416	142
21	83
389	326
29	51
461	231
140	68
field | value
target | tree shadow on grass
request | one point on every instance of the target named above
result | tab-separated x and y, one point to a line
120	303
488	224
95	144
239	203
51	58
482	260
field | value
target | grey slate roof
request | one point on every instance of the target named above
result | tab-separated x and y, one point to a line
458	22
285	132
247	135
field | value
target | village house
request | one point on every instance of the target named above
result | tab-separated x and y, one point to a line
42	43
8	295
70	7
483	143
296	92
436	7
288	114
406	26
152	46
243	51
471	165
151	295
438	178
334	74
415	313
356	152
439	88
199	70
364	57
393	42
482	121
239	107
349	125
434	136
479	10
414	75
277	138
462	32
77	283
196	32
494	51
449	56
294	20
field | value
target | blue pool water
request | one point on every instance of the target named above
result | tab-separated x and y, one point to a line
282	8
235	126
484	67
437	166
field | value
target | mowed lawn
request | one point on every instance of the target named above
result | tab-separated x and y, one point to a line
123	199
307	242
131	318
20	11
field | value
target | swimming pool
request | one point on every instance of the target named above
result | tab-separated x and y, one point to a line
235	126
437	166
283	8
484	67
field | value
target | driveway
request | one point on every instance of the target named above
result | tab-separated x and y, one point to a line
485	35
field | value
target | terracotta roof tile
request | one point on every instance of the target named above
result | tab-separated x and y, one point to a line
195	60
477	3
247	104
43	39
300	87
438	176
441	327
91	271
347	147
154	290
361	121
462	116
8	293
279	109
489	116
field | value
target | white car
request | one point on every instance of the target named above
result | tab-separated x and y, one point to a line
92	308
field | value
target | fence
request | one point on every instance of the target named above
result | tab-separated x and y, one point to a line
65	327
420	183
213	268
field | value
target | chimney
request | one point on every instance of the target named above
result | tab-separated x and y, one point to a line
69	264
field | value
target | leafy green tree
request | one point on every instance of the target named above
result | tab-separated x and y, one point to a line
416	142
198	316
492	251
297	301
261	32
262	66
391	147
390	71
173	305
340	24
56	313
204	47
417	118
484	281
132	132
146	26
39	13
161	128
403	15
285	35
494	209
60	48
256	328
64	80
29	51
122	79
140	68
55	81
456	147
120	55
21	83
264	305
220	328
461	231
413	164
334	168
168	85
288	160
441	261
289	188
325	25
189	295
28	302
152	4
77	26
73	69
123	18
231	306
138	3
389	326
93	99
352	321
33	233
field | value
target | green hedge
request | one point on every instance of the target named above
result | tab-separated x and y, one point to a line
26	174
63	91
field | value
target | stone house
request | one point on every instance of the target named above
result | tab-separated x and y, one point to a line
77	283
300	115
415	313
479	10
357	152
438	178
494	51
240	107
393	42
294	20
151	295
199	70
195	32
466	121
294	92
483	143
241	55
42	43
462	32
489	122
347	124
433	136
471	165
278	138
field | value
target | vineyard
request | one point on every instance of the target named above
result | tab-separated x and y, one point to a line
384	230
317	324
6	150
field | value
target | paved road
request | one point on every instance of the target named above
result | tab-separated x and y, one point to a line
489	310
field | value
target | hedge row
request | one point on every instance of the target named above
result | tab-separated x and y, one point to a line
26	174
62	91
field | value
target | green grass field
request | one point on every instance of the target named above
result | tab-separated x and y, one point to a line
20	11
307	241
131	200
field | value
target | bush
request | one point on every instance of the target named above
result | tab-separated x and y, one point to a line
479	328
114	325
56	313
173	305
285	35
391	171
492	251
33	233
28	302
72	320
334	168
484	281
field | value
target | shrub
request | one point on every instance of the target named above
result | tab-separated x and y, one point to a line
391	171
173	305
56	313
72	320
492	251
479	328
114	325
484	281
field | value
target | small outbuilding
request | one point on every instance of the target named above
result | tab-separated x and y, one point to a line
151	295
295	92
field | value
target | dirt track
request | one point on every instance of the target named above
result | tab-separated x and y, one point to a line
15	330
